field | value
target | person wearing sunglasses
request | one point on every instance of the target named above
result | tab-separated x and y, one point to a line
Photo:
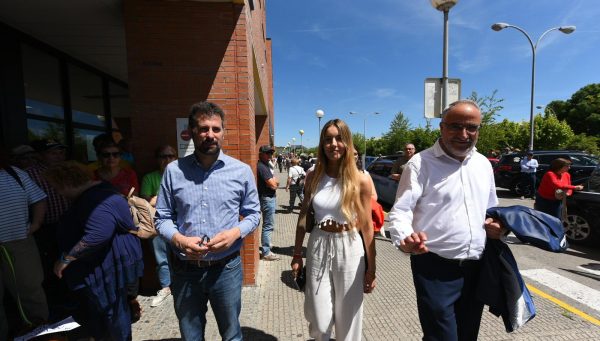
110	170
164	154
439	218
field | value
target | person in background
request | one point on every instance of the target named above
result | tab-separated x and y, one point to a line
150	187
126	146
99	257
339	269
267	187
201	199
280	162
557	178
23	156
22	208
50	152
296	189
529	166
439	218
123	179
398	166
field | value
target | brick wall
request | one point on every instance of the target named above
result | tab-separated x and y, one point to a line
183	52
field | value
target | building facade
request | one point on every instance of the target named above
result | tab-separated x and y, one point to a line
71	70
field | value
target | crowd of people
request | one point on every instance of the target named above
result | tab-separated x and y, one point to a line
67	245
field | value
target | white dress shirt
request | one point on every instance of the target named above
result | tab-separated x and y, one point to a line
447	199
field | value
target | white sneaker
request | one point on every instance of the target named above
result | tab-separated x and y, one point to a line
382	233
160	297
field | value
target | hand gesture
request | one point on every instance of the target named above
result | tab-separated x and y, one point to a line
414	243
493	228
296	265
224	240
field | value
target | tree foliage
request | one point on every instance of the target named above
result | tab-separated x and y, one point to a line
582	111
489	106
398	135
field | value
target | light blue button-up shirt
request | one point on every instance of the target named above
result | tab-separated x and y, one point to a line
196	202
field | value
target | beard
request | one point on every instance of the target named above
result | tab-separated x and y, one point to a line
455	151
208	148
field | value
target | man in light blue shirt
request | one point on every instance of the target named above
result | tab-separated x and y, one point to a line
529	166
200	201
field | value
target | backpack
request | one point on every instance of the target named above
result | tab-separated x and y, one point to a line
143	216
300	180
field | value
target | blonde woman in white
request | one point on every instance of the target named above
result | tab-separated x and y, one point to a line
338	268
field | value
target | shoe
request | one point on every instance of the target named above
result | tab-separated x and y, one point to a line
135	310
382	233
270	257
160	297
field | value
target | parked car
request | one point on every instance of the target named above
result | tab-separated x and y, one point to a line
582	225
369	160
385	187
507	172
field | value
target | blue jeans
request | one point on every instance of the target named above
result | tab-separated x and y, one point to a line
552	207
161	248
267	206
193	288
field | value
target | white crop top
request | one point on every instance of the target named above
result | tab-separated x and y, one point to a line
327	201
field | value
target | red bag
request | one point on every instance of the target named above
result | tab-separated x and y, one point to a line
377	215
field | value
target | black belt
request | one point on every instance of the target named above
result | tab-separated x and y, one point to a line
457	262
201	263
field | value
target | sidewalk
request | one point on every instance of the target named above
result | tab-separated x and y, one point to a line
273	310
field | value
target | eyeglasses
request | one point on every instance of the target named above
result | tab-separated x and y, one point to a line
167	156
456	127
108	154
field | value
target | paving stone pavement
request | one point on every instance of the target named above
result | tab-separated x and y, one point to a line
273	310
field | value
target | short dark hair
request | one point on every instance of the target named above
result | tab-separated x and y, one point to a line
207	109
559	163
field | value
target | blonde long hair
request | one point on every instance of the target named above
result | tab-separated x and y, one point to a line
348	173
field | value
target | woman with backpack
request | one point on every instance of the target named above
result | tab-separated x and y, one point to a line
295	183
100	257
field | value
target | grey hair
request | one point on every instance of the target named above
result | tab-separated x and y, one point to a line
460	101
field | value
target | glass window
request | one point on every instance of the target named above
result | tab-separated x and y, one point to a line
86	97
38	129
83	150
41	83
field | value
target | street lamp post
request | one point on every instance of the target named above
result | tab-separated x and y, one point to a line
364	156
563	29
301	145
319	113
294	143
444	6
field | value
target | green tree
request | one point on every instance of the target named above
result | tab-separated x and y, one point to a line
398	135
550	133
423	138
358	140
582	111
584	143
490	106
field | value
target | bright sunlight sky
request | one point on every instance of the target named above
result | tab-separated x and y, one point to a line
371	56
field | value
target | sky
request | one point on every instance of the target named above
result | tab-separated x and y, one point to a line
373	56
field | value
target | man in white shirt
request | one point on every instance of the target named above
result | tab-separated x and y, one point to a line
529	166
439	218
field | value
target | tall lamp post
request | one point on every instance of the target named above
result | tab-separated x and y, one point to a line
294	143
563	29
444	6
301	145
364	156
319	113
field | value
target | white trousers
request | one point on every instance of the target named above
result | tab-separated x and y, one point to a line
335	271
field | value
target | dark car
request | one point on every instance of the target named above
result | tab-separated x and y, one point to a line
507	172
385	187
582	225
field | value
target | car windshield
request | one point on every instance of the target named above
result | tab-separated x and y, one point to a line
584	160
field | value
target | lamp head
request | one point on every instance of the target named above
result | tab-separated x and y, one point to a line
567	29
499	26
301	132
319	113
443	5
